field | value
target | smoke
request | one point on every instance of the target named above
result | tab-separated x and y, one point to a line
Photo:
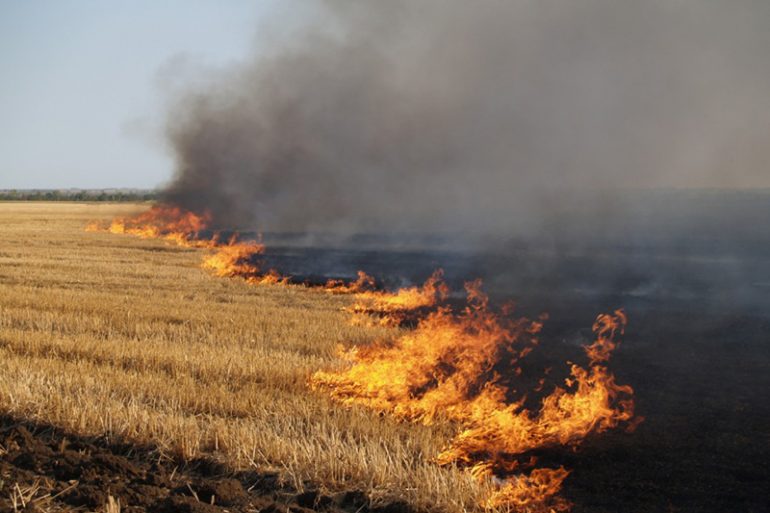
483	117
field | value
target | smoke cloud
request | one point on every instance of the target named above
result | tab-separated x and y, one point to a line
476	116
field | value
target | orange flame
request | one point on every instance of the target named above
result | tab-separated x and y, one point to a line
393	308
234	258
428	371
539	491
459	367
363	283
162	221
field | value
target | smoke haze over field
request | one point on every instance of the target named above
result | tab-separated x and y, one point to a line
481	116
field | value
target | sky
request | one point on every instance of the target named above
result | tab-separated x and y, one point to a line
677	91
82	83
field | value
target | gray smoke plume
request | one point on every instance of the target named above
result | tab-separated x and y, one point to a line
484	116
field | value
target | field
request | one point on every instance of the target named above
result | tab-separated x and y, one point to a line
129	339
130	374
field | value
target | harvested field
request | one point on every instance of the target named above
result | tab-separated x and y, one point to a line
128	339
123	355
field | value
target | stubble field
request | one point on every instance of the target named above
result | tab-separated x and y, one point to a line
129	339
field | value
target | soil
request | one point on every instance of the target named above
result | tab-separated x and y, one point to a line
52	470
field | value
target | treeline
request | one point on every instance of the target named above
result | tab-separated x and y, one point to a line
78	195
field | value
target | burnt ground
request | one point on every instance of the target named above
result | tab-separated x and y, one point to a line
55	470
702	384
696	351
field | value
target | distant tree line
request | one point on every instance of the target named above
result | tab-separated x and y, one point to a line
78	195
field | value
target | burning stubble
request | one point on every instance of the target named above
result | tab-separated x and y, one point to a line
461	367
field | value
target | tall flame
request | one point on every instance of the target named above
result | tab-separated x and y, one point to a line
462	368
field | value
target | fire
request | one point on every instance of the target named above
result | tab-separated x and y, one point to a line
459	367
233	258
269	277
427	372
237	259
163	221
393	308
363	283
462	368
539	491
590	402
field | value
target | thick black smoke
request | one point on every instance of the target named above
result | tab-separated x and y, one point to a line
490	116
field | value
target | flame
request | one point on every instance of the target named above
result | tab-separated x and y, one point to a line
164	221
269	277
393	308
428	371
233	258
363	283
591	401
538	491
462	368
237	259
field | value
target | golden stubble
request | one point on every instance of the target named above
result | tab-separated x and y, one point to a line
129	337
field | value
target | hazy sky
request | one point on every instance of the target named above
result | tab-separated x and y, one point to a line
81	83
662	93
